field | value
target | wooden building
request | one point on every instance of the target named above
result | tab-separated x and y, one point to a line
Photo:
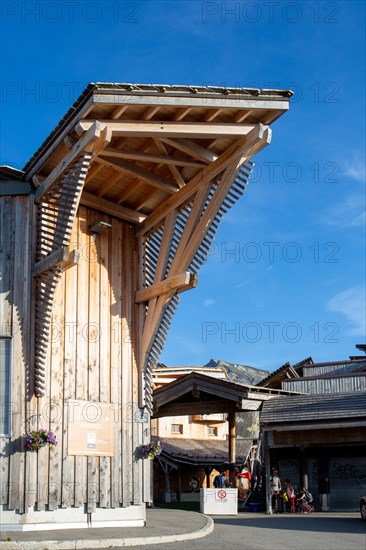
107	224
318	439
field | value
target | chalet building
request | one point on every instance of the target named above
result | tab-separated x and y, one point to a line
100	233
318	439
194	446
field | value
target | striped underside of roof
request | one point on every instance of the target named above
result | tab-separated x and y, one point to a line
305	408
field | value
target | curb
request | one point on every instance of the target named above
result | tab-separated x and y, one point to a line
109	543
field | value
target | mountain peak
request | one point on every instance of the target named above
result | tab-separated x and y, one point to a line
240	374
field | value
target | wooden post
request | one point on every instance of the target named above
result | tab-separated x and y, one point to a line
232	448
268	472
304	469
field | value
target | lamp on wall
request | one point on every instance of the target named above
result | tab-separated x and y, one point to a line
99	227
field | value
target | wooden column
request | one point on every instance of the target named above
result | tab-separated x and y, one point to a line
232	448
304	468
267	460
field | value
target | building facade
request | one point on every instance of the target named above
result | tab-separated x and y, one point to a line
100	233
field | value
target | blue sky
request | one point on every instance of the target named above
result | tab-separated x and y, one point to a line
286	278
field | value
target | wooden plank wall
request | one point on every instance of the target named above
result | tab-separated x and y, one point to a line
15	285
92	357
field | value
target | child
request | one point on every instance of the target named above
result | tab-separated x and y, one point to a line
291	495
303	503
276	491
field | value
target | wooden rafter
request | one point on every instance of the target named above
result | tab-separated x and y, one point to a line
149	177
191	148
92	142
149	157
174	170
253	142
108	207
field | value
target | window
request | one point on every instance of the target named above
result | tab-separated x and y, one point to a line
177	428
5	346
211	430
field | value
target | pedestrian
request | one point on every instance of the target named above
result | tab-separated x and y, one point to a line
220	480
290	491
276	491
303	502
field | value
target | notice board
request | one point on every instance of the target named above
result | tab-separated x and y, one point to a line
90	428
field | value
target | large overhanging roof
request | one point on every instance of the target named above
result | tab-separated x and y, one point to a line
170	160
159	138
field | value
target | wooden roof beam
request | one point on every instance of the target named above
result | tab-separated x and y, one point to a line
118	111
111	208
112	152
94	140
162	287
152	179
248	145
211	115
201	130
181	114
172	167
191	148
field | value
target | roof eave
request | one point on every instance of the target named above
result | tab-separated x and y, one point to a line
104	93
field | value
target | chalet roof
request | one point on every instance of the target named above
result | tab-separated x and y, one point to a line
203	452
335	363
196	393
314	409
10	182
275	378
164	374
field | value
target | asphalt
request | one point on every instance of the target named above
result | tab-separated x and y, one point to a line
162	526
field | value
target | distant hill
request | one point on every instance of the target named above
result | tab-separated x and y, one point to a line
240	374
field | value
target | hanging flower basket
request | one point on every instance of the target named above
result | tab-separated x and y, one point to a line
152	449
39	438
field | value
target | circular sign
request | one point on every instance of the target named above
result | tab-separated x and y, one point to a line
221	494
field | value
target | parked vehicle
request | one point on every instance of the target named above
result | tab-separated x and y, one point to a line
363	507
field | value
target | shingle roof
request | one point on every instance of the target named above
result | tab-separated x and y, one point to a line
314	408
201	451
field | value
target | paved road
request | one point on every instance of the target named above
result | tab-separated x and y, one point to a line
260	532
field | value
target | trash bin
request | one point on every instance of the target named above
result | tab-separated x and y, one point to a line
254	507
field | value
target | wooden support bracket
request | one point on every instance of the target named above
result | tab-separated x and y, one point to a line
63	258
181	281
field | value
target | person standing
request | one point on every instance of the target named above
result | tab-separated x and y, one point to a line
291	495
276	491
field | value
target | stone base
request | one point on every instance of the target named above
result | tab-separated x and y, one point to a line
72	518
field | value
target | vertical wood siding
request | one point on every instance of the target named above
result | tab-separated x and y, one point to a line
91	356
